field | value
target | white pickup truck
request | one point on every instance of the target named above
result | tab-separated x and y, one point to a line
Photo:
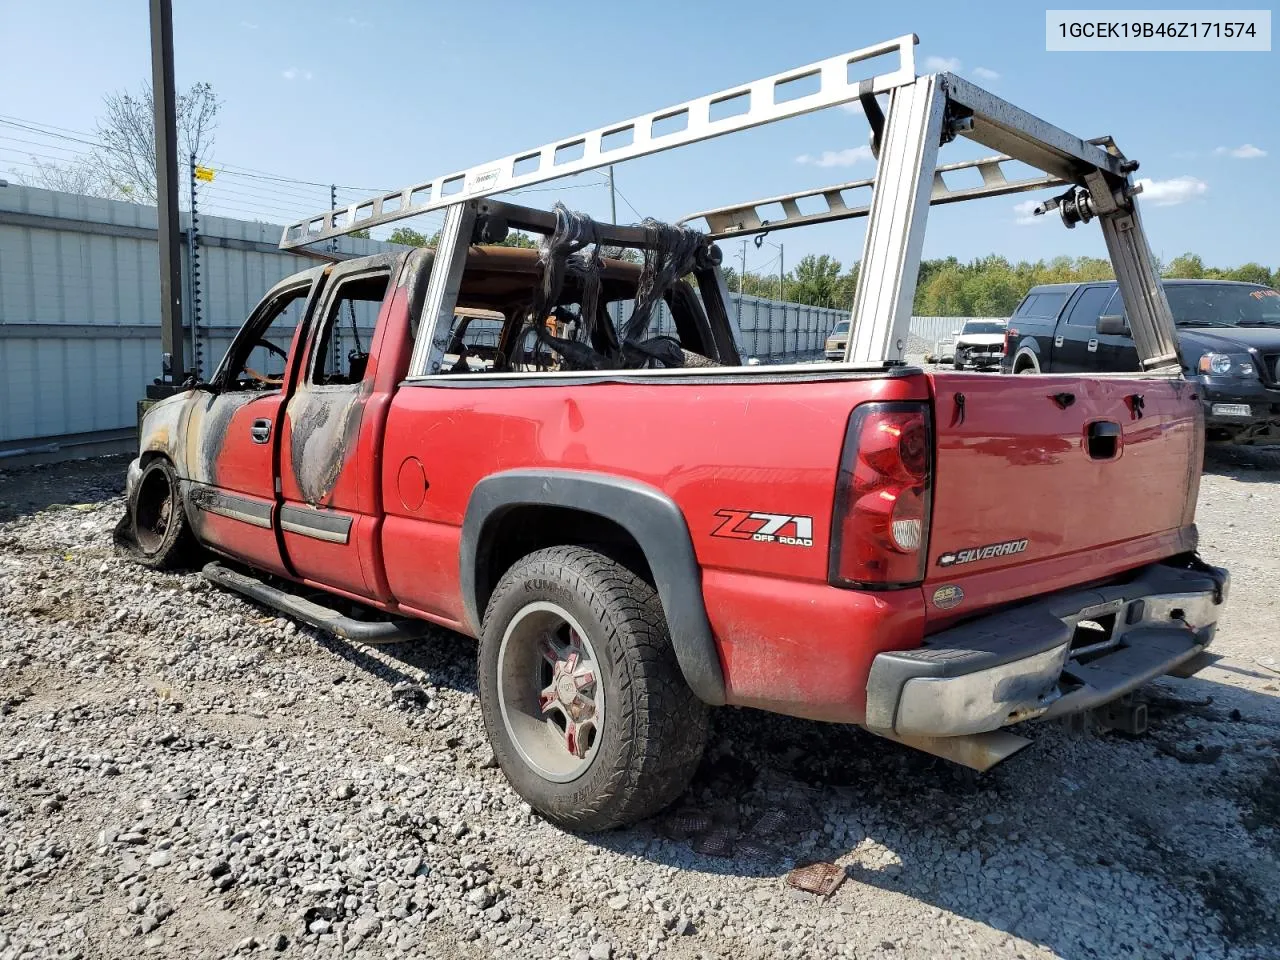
980	344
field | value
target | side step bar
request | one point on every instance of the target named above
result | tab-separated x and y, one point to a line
362	631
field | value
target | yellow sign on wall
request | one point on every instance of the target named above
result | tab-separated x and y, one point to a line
205	174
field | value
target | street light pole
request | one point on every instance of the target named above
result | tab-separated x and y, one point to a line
173	369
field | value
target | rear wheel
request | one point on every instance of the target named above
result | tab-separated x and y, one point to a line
583	700
162	537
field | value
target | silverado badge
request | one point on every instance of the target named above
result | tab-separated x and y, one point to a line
968	555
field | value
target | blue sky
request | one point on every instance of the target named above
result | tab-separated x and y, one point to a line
383	94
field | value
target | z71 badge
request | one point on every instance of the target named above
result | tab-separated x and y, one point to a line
765	527
970	554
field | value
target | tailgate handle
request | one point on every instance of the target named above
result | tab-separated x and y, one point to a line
1103	439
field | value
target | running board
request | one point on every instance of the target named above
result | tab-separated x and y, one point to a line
977	751
324	618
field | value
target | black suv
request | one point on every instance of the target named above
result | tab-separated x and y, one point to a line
1228	338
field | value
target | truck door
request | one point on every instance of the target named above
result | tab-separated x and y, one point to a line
232	431
1116	352
1078	332
327	473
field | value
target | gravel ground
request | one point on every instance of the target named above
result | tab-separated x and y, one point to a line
184	774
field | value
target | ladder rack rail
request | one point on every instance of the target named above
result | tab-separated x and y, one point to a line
922	114
745	219
745	105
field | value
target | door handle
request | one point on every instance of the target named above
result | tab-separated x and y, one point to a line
1103	440
1057	341
260	431
1093	345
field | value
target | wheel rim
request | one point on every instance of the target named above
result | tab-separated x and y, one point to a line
154	511
550	692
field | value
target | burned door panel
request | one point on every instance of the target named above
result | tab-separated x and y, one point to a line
232	432
320	479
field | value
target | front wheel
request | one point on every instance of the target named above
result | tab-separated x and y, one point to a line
583	700
162	538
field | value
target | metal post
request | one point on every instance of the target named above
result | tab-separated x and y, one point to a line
441	296
881	314
742	279
166	137
1140	289
613	218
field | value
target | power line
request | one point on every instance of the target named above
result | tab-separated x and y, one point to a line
628	202
79	136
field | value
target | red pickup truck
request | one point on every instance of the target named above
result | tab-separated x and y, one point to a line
631	549
639	527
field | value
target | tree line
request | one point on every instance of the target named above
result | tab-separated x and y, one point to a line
989	286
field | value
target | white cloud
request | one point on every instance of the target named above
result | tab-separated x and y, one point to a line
293	73
836	158
984	73
1167	193
853	106
942	64
1024	214
248	26
1246	151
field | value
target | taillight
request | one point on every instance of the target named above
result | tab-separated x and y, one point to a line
1010	339
880	525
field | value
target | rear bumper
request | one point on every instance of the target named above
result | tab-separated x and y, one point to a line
1027	662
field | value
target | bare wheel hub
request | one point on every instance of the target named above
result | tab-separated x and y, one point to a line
549	691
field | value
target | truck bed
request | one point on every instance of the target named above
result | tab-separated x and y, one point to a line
1012	466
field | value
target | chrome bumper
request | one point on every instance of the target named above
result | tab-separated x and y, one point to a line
1021	663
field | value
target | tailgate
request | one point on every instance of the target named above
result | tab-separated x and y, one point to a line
1046	482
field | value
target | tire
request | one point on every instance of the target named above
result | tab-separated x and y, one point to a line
957	365
162	537
640	732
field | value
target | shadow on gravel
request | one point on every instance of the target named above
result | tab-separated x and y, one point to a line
444	658
1060	846
29	490
1246	464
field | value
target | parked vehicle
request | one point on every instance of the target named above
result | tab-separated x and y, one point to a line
944	350
837	341
1228	341
638	528
980	345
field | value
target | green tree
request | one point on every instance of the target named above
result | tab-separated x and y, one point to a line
816	281
1253	273
407	236
1189	266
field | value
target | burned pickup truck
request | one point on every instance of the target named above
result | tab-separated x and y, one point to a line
637	526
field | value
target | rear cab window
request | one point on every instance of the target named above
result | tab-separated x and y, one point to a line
587	326
1089	306
1043	306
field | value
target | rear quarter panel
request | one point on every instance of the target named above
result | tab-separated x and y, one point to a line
786	639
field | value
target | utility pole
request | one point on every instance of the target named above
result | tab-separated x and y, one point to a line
613	202
193	270
335	338
173	370
742	278
781	274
